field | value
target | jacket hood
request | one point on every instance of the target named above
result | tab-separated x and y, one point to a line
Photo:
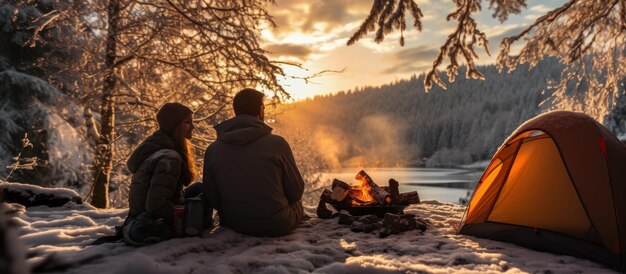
241	130
157	141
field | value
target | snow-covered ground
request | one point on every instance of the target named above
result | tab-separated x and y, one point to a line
61	235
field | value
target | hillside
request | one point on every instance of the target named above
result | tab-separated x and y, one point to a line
400	124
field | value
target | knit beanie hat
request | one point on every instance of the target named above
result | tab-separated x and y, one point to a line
171	115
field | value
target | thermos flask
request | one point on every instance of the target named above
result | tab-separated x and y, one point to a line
193	220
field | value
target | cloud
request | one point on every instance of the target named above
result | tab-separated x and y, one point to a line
300	52
494	40
319	24
540	9
282	22
412	60
331	14
408	68
314	16
419	52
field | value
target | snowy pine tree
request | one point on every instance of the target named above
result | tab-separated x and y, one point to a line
32	106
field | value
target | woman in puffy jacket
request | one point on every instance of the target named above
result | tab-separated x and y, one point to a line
161	166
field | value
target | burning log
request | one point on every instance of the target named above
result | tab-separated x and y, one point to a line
369	188
393	188
407	198
340	183
357	198
325	197
322	211
341	190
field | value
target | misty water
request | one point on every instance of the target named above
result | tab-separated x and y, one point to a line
442	184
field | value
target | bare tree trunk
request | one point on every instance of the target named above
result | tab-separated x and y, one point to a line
105	148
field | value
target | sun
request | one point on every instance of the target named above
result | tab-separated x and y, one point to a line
295	84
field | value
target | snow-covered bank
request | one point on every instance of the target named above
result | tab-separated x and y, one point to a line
61	234
33	195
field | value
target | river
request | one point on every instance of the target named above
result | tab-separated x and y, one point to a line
442	184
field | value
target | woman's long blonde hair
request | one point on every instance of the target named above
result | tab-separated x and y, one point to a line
190	172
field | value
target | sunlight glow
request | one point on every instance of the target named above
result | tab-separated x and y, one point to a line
297	88
367	62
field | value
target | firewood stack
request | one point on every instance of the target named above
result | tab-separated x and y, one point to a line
373	201
368	194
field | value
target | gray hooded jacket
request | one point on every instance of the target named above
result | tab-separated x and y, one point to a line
251	178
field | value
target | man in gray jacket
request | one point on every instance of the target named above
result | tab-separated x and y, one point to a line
250	175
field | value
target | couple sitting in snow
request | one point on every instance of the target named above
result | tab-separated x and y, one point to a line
250	175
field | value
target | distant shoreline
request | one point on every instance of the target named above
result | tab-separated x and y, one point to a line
480	165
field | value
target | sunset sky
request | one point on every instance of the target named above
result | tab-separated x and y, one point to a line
314	33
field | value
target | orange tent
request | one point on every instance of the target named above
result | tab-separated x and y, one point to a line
558	184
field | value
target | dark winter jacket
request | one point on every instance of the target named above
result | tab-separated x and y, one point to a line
251	178
156	184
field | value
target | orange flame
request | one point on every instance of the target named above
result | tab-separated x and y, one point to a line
362	192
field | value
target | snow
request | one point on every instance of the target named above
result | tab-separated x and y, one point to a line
12	254
68	151
33	190
62	235
51	119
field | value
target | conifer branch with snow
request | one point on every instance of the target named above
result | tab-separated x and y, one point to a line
585	35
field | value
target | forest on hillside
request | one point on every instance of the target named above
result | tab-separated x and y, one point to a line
399	124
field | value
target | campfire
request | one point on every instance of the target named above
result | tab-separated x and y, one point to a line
365	198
